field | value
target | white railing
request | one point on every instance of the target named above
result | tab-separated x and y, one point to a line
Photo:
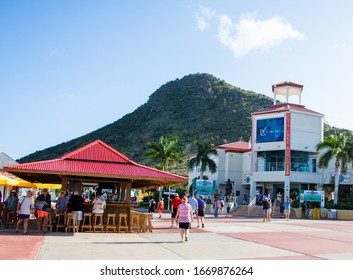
251	205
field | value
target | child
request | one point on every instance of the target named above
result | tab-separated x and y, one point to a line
228	209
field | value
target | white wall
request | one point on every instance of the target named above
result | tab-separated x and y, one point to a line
306	131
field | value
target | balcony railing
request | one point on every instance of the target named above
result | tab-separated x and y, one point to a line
280	166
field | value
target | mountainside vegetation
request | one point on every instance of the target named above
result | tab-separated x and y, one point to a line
196	107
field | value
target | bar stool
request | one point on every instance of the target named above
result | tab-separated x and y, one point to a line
10	219
98	222
123	225
72	222
111	222
87	221
50	221
60	221
149	222
143	222
135	224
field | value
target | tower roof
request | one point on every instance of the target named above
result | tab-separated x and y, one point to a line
287	89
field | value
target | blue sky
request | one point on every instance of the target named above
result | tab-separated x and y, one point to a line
70	67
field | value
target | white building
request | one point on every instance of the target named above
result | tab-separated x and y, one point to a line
233	160
282	156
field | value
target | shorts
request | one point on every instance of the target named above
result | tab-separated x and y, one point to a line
174	213
23	216
59	211
264	212
79	215
42	214
201	213
269	211
286	211
184	225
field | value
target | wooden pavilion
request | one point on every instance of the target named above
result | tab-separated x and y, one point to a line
97	164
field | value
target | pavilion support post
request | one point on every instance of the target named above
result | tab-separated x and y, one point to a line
123	192
127	189
128	192
64	183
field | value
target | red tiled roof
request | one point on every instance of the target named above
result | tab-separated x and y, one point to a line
285	107
99	160
239	146
286	84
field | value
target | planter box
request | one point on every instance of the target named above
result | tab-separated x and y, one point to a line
298	212
346	215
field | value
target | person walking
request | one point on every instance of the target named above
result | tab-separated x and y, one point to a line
160	207
44	203
269	210
265	207
10	207
185	218
201	207
24	206
176	201
151	205
193	202
245	198
216	207
287	208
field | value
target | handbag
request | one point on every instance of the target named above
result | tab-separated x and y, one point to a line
38	206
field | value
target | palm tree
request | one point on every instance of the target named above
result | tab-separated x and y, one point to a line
337	147
166	150
204	150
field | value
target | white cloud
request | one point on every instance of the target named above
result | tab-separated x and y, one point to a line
249	34
203	17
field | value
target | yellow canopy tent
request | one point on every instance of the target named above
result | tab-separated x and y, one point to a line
7	181
18	182
48	186
3	182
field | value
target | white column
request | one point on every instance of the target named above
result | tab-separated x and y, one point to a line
286	187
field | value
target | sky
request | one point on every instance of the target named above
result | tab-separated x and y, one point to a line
70	67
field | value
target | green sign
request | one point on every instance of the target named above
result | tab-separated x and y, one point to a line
204	187
313	196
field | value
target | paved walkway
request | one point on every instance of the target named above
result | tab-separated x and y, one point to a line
221	239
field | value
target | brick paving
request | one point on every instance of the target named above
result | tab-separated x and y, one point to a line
236	238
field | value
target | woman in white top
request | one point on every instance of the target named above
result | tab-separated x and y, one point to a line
24	206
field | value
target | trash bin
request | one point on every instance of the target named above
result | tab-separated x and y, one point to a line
310	214
316	213
323	213
331	214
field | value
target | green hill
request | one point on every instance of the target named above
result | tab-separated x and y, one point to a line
198	106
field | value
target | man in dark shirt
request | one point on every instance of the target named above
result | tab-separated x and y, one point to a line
76	201
44	200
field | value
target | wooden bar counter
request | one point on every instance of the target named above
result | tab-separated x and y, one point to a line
114	208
